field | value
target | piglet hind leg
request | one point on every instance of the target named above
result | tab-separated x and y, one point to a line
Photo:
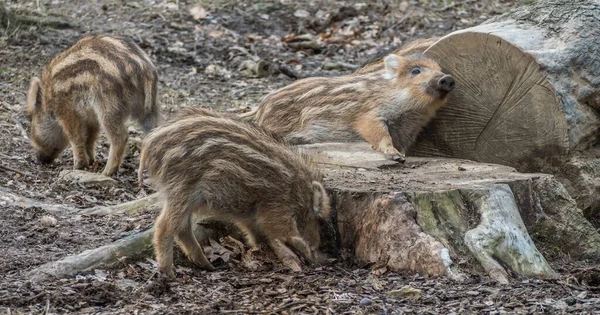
163	241
188	243
90	144
117	136
77	133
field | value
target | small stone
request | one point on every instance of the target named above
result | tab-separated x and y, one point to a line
366	301
407	292
198	13
403	6
20	238
301	13
133	4
86	178
570	300
48	221
460	168
217	71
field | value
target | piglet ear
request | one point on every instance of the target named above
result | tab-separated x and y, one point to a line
392	64
320	200
34	96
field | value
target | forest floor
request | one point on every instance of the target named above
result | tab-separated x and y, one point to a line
198	57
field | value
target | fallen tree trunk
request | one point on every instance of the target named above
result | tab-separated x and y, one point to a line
11	20
434	216
131	248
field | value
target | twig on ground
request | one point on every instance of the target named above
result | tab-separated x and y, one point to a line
452	5
277	310
47	306
8	168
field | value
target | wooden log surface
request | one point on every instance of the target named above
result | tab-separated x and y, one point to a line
434	216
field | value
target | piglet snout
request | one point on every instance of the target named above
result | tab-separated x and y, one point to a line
446	83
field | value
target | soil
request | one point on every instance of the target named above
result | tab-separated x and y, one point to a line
198	62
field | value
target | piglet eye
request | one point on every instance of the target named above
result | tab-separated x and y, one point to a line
415	71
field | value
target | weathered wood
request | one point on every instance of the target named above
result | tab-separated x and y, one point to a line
434	216
131	248
148	203
10	199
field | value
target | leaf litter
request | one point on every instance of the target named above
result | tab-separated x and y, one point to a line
198	47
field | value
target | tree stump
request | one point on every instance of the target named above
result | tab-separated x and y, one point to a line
527	88
429	214
433	216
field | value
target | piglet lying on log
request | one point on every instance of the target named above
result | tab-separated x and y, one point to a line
387	108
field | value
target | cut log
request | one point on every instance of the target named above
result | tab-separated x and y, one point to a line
527	87
432	216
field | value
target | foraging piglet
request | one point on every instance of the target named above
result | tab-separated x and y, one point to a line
98	82
405	96
231	170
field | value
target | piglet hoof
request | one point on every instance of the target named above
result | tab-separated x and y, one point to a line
166	274
80	165
293	264
320	259
208	267
108	173
398	158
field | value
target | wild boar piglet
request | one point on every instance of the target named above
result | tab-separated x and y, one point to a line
97	83
231	170
387	108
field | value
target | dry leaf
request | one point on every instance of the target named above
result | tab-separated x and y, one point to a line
293	61
198	13
403	6
216	34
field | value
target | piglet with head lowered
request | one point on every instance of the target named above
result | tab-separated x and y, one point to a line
97	83
231	170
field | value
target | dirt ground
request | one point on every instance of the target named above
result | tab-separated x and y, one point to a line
198	62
